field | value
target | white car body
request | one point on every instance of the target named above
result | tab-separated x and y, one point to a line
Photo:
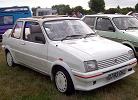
71	54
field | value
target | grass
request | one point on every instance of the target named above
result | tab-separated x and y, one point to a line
21	83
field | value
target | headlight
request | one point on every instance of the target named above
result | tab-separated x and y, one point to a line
131	54
90	65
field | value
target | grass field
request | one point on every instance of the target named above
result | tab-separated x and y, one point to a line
21	83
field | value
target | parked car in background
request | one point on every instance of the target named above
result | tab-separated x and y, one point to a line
133	14
9	15
120	28
68	51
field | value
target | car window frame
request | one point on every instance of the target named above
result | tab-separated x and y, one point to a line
23	33
94	21
14	29
104	18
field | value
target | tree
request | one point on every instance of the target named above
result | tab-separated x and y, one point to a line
111	11
136	7
78	8
126	10
62	9
119	10
118	7
97	5
88	12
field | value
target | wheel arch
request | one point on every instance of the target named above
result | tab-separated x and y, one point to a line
126	43
6	51
62	65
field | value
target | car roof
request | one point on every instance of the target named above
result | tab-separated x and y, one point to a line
48	18
108	15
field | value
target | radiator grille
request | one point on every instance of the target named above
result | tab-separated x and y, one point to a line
112	61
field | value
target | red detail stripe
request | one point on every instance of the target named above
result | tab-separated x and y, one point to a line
133	62
86	77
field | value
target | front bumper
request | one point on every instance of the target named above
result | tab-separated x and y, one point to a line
92	80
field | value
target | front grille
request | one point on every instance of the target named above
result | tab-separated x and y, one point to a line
112	61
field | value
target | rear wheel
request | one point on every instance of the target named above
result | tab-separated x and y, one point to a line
63	81
9	59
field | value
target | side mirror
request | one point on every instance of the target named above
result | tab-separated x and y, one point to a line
111	29
40	39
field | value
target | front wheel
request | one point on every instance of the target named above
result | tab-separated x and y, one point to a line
63	81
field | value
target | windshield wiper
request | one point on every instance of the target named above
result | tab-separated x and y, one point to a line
131	28
70	36
88	35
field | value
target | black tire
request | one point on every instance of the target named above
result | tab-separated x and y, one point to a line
70	87
9	59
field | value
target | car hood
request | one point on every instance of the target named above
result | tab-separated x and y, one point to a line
96	47
132	32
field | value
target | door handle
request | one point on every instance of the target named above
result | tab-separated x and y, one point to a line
22	43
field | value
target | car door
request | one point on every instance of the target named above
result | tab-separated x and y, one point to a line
105	28
15	39
34	48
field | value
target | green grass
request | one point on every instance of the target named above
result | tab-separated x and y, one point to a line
21	83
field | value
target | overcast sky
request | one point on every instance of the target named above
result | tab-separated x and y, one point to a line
72	3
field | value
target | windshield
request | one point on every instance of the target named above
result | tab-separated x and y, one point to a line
124	23
61	29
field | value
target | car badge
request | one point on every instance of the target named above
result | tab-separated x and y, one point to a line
115	60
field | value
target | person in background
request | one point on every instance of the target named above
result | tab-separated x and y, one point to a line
73	14
79	15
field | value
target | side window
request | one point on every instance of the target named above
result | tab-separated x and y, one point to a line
17	30
104	24
33	32
90	21
6	20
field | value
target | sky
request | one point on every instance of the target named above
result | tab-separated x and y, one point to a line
72	3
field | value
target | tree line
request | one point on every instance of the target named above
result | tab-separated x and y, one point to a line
96	6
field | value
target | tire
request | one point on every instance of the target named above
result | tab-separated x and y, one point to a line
63	81
9	59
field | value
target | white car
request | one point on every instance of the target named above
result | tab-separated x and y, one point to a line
68	51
